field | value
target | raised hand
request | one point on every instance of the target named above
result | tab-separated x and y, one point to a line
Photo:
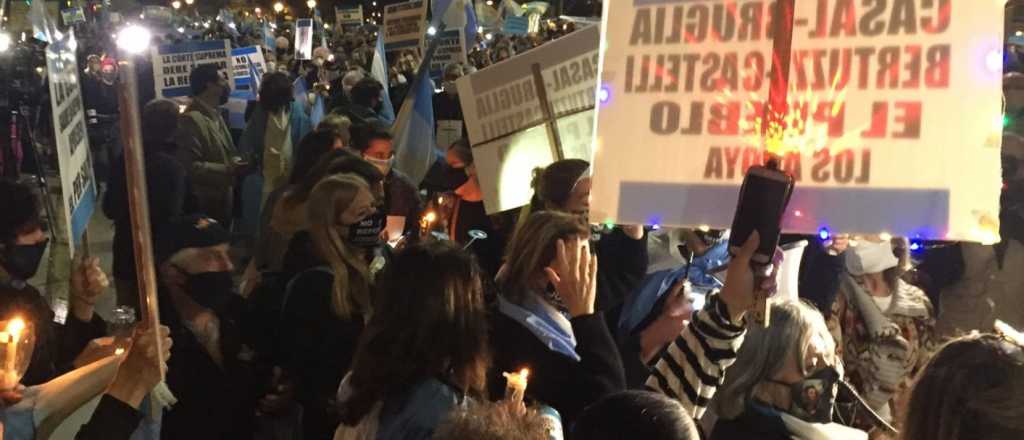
574	275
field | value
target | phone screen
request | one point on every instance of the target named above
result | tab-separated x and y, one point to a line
762	202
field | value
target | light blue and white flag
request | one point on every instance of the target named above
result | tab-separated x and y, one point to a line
379	71
414	140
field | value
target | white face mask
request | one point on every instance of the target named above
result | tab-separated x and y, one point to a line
384	165
318	61
400	79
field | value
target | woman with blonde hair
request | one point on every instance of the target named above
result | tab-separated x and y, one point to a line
546	321
327	305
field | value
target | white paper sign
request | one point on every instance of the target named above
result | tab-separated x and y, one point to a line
405	24
72	142
894	114
304	39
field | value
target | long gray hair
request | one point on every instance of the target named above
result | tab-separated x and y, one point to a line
764	352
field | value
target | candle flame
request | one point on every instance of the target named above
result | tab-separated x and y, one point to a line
119	352
524	373
430	216
15	327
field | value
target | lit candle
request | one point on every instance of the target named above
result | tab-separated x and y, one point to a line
427	220
14	329
515	385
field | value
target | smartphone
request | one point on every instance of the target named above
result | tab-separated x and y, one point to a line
762	202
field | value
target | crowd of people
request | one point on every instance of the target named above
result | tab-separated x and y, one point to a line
361	304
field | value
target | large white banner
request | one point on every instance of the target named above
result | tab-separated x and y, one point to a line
504	117
405	24
72	142
893	121
173	64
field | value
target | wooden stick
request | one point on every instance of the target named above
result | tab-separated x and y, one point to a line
138	200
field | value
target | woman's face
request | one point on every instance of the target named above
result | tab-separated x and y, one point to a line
579	199
362	206
820	353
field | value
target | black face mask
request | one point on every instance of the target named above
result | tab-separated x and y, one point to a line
366	233
813	398
22	260
212	290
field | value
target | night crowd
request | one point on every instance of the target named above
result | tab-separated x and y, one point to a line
360	304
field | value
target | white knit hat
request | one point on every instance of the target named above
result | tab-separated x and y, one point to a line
868	257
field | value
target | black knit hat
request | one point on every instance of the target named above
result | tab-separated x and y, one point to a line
192	231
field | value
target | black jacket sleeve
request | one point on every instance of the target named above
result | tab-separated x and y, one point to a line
112	420
819	277
622	265
599	372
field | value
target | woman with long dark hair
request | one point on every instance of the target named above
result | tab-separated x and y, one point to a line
425	349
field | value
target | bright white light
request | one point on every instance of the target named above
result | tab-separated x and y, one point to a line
311	4
994	60
1020	33
134	39
479	29
181	30
258	11
206	25
885	236
232	25
176	4
431	30
5	41
375	3
489	36
490	3
278	7
39	70
189	2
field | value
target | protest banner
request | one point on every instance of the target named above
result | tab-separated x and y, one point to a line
516	25
450	49
304	39
242	59
72	16
173	63
505	118
348	18
405	24
72	142
872	133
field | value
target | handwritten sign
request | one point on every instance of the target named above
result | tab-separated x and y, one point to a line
504	117
875	137
73	157
173	64
450	49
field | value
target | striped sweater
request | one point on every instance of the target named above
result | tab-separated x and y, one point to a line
693	366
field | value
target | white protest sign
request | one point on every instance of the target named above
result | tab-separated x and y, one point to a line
242	58
450	49
894	114
72	142
348	18
173	63
405	24
304	39
72	16
504	118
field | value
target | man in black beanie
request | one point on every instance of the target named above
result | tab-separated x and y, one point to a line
209	371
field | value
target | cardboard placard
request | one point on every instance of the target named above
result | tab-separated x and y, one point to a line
405	25
72	16
304	39
451	49
348	18
505	120
879	139
241	60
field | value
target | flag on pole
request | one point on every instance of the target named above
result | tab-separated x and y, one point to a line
42	28
438	11
255	79
471	24
379	72
299	92
268	37
414	140
317	114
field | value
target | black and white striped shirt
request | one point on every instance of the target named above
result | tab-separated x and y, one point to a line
693	366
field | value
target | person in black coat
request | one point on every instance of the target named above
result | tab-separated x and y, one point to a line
216	385
545	318
169	192
327	303
22	245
